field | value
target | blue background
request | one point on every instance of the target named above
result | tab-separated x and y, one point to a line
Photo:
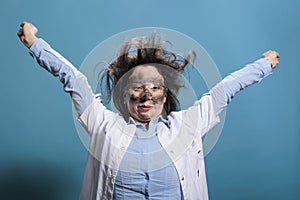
258	153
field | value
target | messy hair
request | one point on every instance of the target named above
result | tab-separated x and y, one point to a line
140	51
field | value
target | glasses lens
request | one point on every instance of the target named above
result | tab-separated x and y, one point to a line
138	89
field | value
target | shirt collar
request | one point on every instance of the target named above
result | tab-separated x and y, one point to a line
155	120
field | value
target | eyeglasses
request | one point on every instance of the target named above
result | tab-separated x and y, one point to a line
154	89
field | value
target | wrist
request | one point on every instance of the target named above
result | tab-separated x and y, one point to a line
30	40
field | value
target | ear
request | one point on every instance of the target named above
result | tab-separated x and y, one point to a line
165	97
166	94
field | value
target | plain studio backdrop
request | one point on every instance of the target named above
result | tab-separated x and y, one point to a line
258	153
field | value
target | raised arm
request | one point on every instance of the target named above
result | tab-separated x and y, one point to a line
252	73
73	80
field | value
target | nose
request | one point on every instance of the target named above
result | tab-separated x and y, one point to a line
146	96
147	88
147	91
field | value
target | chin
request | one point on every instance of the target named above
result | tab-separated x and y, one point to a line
145	118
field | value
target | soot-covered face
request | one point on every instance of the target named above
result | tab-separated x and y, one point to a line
145	95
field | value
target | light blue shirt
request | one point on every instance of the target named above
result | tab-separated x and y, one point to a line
143	184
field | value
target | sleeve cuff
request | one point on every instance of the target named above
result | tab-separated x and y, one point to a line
37	46
265	66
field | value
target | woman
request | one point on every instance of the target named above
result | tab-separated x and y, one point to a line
150	150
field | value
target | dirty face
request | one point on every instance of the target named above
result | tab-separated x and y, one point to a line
145	95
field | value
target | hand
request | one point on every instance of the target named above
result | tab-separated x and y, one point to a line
272	56
27	34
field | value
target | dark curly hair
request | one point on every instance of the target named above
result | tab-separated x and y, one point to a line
140	51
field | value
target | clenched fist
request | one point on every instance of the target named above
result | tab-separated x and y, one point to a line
272	56
27	34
